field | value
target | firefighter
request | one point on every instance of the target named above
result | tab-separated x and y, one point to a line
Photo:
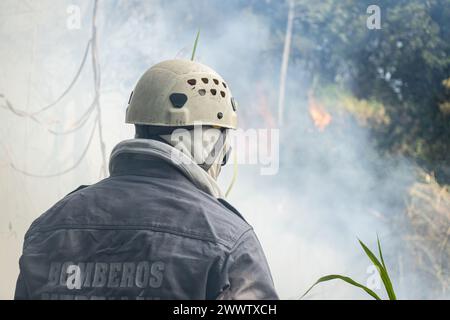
158	226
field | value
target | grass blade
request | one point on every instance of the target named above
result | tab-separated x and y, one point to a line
384	266
343	278
195	45
382	271
381	254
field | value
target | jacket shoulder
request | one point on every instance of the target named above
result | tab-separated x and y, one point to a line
43	217
225	222
78	189
227	205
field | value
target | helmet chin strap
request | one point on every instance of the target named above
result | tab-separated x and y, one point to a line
216	151
235	173
212	159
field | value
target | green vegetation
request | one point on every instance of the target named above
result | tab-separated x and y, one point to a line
195	45
395	82
403	67
382	270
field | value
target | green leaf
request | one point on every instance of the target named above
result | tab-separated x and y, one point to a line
381	254
381	270
195	45
384	266
343	278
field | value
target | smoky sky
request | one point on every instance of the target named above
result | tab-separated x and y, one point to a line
331	188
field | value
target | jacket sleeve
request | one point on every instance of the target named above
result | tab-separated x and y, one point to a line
247	271
21	292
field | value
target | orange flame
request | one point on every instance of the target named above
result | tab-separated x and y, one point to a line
319	115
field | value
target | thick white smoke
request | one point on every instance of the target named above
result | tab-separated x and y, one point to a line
331	187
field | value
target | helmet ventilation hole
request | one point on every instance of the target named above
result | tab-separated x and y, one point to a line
216	81
178	99
192	82
213	92
224	85
205	80
202	92
222	93
220	115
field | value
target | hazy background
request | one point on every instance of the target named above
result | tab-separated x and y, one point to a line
335	182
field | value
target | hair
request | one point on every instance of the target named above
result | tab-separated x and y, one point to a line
143	131
154	133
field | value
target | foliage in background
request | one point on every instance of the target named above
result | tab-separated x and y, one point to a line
367	113
426	228
405	66
395	82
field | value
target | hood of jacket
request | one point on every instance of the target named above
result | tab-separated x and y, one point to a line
156	150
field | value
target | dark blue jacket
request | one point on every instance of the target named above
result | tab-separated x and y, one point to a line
146	232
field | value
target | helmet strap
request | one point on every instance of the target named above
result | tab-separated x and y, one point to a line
215	152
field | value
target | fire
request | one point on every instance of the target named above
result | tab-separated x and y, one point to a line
319	115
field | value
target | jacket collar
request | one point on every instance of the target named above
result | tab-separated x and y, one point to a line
152	157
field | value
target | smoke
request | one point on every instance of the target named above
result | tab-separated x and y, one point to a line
331	187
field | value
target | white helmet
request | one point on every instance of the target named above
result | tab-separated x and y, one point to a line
179	93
